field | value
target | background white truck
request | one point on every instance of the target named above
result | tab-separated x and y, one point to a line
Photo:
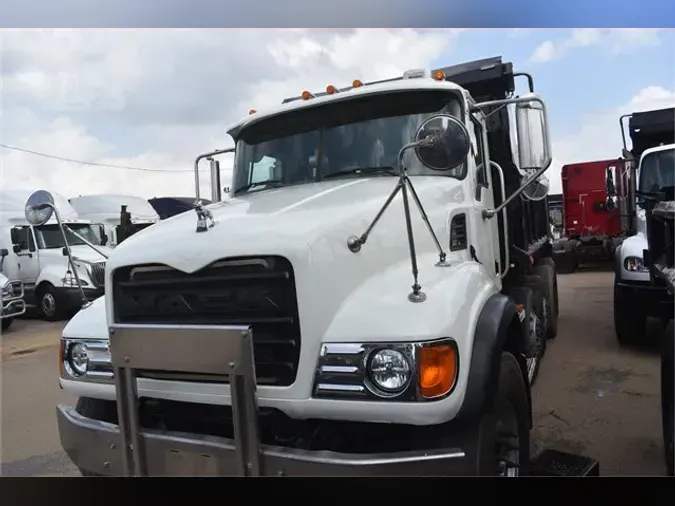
651	166
283	332
115	217
36	256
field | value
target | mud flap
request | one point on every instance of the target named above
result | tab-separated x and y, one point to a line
555	463
221	350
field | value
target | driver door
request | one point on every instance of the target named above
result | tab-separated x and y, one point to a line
28	260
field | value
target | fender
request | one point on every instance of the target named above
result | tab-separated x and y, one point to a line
489	337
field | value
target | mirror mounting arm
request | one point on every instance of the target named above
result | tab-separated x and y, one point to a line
491	213
404	184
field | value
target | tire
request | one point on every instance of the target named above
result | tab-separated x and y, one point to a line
549	261
630	324
6	323
539	308
97	409
511	405
546	273
530	297
668	395
49	306
565	262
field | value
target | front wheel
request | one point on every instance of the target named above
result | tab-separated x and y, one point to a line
48	303
6	323
504	433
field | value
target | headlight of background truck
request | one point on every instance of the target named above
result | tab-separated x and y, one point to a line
634	264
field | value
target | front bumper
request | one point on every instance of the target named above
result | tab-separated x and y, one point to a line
97	447
14	305
653	300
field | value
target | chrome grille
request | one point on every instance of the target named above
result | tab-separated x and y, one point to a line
98	274
238	291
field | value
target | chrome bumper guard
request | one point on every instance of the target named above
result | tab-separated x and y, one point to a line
125	449
14	305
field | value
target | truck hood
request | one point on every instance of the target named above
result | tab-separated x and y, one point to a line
318	216
309	225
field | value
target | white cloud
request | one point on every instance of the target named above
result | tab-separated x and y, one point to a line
158	98
599	137
546	51
614	40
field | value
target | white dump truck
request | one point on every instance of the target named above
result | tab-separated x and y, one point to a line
37	257
651	166
373	299
116	217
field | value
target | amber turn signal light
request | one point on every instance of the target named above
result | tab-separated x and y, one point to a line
437	369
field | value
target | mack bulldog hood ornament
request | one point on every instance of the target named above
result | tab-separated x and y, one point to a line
203	214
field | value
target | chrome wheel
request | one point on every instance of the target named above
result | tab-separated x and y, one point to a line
48	304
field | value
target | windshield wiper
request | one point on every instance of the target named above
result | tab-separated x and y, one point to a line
275	183
363	170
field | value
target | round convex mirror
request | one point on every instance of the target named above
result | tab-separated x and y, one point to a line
450	146
38	208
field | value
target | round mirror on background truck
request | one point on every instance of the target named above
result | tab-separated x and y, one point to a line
39	208
450	143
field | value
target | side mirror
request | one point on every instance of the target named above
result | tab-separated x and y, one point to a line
534	150
39	208
16	248
4	252
65	251
443	141
104	239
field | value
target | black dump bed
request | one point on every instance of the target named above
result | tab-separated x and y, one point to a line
650	129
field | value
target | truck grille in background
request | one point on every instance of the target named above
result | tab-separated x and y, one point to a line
98	274
259	292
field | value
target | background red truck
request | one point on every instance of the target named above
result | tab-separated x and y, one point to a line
593	224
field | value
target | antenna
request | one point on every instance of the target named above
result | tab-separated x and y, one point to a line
441	143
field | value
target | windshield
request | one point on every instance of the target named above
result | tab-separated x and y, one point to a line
657	171
49	236
307	145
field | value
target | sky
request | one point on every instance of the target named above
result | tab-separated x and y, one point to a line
157	98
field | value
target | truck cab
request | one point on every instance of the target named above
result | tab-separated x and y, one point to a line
374	298
37	258
653	167
115	217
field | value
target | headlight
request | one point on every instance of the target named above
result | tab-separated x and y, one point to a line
634	264
389	370
7	291
78	358
85	359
